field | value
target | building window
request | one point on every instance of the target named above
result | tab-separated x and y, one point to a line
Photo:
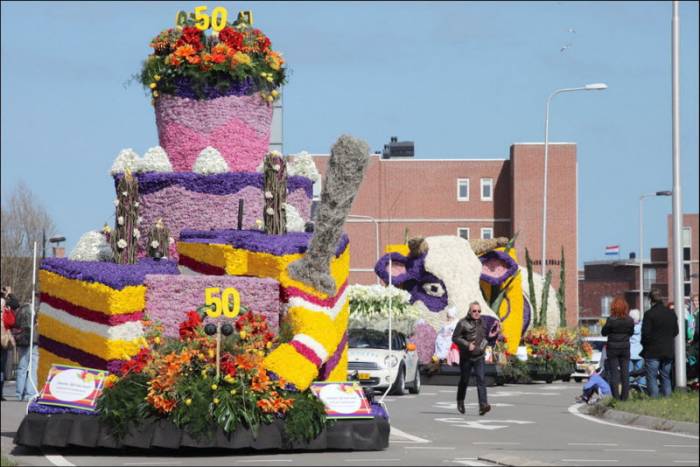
605	303
317	190
487	233
686	236
649	278
463	232
487	189
462	189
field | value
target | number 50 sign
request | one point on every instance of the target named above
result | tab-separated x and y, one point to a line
217	301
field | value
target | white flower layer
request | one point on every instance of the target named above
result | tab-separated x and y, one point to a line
294	221
302	164
92	246
124	332
155	160
210	162
331	312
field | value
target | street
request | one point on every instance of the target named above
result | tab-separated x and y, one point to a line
536	423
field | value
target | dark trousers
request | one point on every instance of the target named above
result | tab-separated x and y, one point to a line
588	392
619	365
466	365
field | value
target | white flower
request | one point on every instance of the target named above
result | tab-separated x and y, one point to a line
276	167
270	211
155	160
171	240
258	223
268	195
302	164
139	219
121	243
210	162
136	204
155	244
137	233
116	201
294	221
92	246
124	193
126	159
120	220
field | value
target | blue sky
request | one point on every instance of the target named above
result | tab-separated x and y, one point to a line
461	79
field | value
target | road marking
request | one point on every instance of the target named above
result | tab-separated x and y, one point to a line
630	450
592	444
680	445
494	442
371	460
574	410
590	460
396	432
453	405
241	461
521	393
430	393
471	463
152	463
58	460
481	424
687	462
430	447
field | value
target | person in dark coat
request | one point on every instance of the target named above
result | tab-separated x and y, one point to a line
470	336
619	327
659	328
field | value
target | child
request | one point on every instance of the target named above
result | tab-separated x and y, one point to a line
595	385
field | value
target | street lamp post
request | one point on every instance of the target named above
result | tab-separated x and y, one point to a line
641	245
587	87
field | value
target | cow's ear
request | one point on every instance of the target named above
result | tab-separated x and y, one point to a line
398	271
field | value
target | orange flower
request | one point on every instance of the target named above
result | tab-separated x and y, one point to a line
221	49
194	59
184	51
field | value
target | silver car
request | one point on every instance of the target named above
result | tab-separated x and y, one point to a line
371	363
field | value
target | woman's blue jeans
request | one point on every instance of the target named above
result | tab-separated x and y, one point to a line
25	388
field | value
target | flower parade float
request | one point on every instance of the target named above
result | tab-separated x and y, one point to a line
209	216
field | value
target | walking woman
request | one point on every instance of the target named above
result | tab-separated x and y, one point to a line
619	327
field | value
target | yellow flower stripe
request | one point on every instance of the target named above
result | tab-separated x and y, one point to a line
397	248
88	342
290	365
512	328
240	262
46	359
208	253
318	325
340	372
93	295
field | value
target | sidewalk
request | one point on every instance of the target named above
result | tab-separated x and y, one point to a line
643	421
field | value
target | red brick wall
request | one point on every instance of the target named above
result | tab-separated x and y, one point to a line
689	220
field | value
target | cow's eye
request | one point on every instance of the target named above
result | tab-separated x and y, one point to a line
434	289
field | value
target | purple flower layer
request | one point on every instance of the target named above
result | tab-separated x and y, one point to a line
183	209
332	362
424	338
378	411
114	275
79	356
217	184
258	241
35	407
497	266
183	88
169	298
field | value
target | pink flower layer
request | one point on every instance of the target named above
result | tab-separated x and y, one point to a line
169	297
237	126
183	209
424	338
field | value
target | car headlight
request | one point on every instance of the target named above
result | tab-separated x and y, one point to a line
390	361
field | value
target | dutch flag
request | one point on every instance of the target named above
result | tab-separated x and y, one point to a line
612	250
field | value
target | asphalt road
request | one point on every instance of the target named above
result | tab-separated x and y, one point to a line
528	423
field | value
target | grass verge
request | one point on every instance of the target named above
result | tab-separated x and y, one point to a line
4	461
681	406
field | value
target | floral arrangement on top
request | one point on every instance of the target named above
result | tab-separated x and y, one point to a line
177	379
561	350
369	308
238	60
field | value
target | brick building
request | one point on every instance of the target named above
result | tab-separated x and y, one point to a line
474	198
603	280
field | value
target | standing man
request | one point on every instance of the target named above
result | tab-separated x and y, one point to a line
470	337
659	328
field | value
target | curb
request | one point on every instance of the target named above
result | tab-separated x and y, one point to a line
645	421
510	460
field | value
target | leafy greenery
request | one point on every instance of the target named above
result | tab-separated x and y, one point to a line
531	289
681	406
545	298
516	371
561	293
306	419
124	404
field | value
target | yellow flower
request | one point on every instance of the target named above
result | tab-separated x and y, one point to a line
152	85
156	77
244	59
229	379
269	78
269	98
268	345
155	93
214	387
274	93
263	74
211	353
242	334
216	400
233	392
157	340
261	353
188	401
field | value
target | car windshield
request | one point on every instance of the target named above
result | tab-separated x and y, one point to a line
597	345
368	339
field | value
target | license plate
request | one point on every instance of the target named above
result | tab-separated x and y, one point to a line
363	376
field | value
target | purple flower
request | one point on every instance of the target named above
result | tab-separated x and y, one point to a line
497	266
114	275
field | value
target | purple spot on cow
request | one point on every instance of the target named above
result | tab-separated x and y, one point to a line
422	285
497	266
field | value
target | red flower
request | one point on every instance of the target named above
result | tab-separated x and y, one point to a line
232	38
136	363
188	326
191	36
